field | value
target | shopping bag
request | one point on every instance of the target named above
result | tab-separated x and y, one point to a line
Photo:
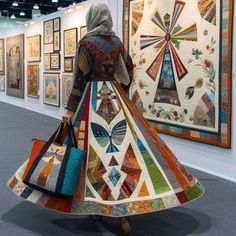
54	168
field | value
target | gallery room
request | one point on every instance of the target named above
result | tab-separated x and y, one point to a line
117	117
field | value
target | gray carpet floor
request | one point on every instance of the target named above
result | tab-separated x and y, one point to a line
214	214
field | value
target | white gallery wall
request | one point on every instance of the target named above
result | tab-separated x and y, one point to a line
211	159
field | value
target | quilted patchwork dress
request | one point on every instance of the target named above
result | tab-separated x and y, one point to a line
128	169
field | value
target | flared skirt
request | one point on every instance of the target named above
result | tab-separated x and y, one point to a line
128	169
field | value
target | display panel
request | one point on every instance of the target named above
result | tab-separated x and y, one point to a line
15	66
51	89
33	48
68	64
70	42
55	61
33	80
2	83
2	56
182	56
67	83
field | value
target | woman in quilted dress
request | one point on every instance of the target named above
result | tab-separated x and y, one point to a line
128	169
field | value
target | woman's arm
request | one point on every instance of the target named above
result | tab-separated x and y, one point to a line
81	70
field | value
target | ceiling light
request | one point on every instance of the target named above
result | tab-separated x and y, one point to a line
36	7
70	10
22	14
13	16
54	0
74	3
15	4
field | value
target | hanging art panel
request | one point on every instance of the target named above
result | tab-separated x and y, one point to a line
15	65
182	56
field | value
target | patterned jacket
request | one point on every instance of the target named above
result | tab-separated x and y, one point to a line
96	60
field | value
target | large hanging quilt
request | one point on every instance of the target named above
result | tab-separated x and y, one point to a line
182	55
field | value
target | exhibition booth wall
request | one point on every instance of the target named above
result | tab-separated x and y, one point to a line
208	158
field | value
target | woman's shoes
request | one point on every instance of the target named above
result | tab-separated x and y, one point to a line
125	226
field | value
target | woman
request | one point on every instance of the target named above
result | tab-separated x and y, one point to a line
128	169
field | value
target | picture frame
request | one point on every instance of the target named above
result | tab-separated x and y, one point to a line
51	89
83	31
47	61
48	27
33	80
15	80
68	64
48	48
2	83
70	42
55	61
57	24
192	98
67	84
33	45
2	56
57	41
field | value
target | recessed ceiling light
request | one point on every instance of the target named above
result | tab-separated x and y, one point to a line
54	0
13	16
70	10
22	14
36	7
15	4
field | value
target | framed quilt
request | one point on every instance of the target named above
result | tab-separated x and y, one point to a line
33	80
15	66
33	48
70	42
182	55
2	83
67	84
2	56
51	89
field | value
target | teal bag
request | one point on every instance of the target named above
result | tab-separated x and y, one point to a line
56	169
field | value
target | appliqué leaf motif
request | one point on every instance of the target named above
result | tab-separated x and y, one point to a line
189	92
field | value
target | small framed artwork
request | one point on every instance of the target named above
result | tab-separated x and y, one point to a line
48	32
2	83
57	24
47	61
57	41
83	31
51	89
55	61
2	56
68	64
48	48
33	80
67	83
70	42
34	48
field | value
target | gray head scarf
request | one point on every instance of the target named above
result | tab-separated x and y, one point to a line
99	20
